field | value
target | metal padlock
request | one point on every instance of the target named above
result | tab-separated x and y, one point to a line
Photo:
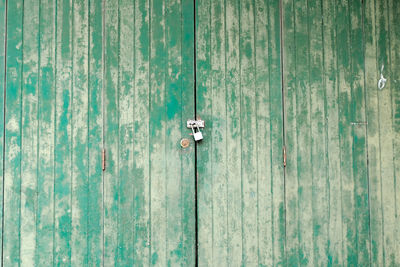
197	135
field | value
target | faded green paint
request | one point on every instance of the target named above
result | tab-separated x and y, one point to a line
240	170
340	176
83	75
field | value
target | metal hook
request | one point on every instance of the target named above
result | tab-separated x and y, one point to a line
382	80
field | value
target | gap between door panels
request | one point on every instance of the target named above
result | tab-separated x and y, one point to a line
195	146
3	122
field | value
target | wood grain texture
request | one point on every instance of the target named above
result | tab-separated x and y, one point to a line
12	138
240	189
326	176
63	136
29	133
95	141
78	79
80	76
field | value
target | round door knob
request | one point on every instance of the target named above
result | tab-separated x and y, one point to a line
185	143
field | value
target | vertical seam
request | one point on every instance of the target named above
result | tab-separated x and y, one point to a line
4	123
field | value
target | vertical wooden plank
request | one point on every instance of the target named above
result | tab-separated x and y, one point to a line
374	165
157	148
318	141
303	128
335	249
12	151
3	50
141	172
79	133
63	136
95	84
359	149
3	45
29	148
248	133
45	183
276	139
263	108
187	106
126	98
217	142
111	131
233	129
204	103
291	180
345	136
387	172
394	37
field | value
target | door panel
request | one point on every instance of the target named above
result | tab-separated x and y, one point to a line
85	75
240	168
340	132
148	96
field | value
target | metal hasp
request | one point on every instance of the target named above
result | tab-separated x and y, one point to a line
195	125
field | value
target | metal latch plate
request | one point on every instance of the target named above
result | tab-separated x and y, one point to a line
195	123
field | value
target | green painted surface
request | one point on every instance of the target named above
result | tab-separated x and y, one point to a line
82	75
341	134
240	170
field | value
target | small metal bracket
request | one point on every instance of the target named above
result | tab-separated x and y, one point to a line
195	124
103	160
284	156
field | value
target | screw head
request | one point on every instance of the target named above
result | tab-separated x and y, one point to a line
185	143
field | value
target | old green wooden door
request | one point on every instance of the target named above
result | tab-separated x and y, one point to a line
301	75
87	80
82	76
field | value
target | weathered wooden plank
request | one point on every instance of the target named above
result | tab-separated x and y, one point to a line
203	99
29	144
291	171
359	148
276	139
46	130
158	139
12	124
393	11
217	141
374	165
95	142
304	134
335	248
187	106
79	131
126	98
233	143
63	136
345	134
387	172
263	47
318	135
248	133
141	172
3	33
111	132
